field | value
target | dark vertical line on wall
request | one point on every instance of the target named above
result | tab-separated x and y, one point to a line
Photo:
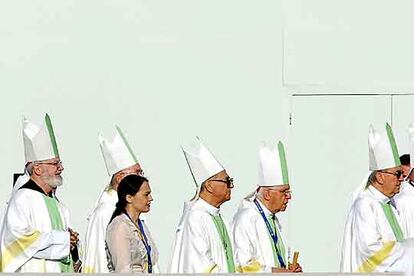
392	110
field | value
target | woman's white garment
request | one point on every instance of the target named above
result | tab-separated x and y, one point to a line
369	244
199	248
27	241
94	257
253	251
125	250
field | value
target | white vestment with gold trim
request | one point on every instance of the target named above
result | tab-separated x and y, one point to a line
27	241
369	243
253	251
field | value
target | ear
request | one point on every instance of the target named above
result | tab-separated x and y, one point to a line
380	178
208	187
266	195
37	170
128	198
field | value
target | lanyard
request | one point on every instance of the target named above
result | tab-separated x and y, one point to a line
272	234
144	240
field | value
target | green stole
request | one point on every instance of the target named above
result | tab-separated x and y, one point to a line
221	229
392	220
57	224
280	245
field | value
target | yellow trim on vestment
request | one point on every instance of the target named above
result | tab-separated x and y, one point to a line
16	248
211	269
253	267
375	260
88	269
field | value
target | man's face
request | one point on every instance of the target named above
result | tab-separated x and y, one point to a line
50	171
221	186
390	180
134	169
411	177
406	170
278	197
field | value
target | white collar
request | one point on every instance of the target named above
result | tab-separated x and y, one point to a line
376	194
202	204
264	208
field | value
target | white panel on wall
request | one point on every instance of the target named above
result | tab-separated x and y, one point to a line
328	155
402	116
343	45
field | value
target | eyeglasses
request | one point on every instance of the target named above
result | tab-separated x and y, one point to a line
286	192
228	181
398	174
56	163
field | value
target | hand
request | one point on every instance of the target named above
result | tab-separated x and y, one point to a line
77	267
73	239
295	268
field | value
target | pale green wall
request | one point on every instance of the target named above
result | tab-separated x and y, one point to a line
228	71
164	71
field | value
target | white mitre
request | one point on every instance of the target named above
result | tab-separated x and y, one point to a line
117	154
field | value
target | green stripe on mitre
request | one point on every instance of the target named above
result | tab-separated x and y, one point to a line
127	144
52	135
393	145
283	162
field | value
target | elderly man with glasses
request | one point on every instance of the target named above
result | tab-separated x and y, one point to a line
374	239
258	244
120	161
36	234
203	243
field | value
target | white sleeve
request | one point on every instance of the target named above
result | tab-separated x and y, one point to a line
52	245
245	242
56	246
196	247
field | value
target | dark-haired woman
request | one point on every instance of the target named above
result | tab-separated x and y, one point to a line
130	247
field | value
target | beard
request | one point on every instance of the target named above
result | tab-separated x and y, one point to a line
53	181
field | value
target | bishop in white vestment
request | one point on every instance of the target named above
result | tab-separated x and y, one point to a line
257	233
203	241
120	161
35	235
374	240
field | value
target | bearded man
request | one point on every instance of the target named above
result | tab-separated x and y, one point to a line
35	235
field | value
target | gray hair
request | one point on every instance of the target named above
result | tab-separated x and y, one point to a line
259	192
371	179
29	168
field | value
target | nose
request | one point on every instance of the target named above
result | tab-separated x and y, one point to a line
150	198
60	167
